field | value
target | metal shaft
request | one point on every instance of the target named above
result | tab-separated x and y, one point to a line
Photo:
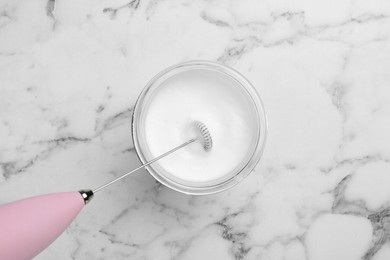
146	164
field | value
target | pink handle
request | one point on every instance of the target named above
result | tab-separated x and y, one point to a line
30	225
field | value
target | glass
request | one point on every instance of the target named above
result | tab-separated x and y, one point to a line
239	173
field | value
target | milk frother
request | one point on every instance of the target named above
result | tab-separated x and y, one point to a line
30	225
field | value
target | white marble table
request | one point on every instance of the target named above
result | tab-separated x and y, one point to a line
70	72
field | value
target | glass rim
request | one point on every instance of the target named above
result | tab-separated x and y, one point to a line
256	155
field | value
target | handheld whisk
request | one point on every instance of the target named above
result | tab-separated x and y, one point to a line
30	225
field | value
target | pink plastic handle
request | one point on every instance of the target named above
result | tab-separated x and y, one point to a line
30	225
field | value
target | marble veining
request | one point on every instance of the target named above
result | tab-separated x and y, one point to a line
70	74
